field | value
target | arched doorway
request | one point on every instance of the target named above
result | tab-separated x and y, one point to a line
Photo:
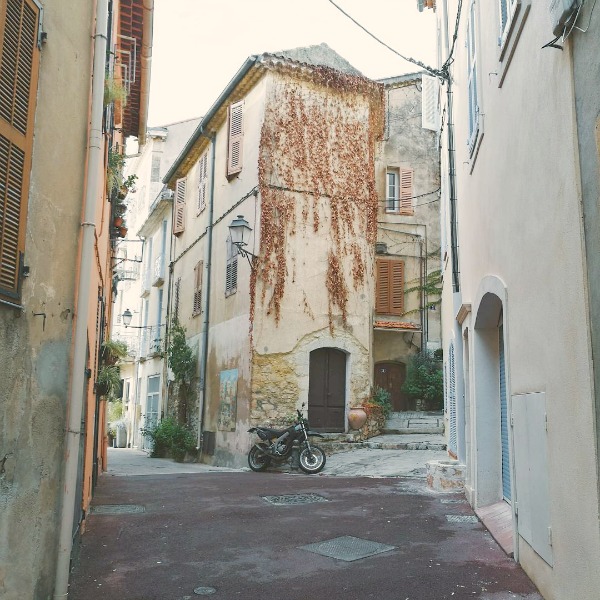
492	422
391	376
327	390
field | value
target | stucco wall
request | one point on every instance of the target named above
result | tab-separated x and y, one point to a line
35	349
520	221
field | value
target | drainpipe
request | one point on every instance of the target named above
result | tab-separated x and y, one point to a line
95	164
452	190
145	60
203	364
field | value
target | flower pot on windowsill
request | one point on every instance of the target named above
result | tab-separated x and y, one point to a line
122	231
357	417
118	221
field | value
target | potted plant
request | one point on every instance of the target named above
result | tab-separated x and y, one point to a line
113	351
109	380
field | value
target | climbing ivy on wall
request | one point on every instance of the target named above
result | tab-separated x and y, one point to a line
316	171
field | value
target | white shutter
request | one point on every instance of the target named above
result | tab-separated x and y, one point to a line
430	103
236	134
179	208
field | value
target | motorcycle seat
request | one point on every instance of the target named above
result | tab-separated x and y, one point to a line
272	432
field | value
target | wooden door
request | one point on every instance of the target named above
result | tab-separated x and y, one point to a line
390	376
327	390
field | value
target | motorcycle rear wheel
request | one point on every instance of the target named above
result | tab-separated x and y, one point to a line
256	460
313	460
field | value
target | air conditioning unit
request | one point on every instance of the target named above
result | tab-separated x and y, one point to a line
560	13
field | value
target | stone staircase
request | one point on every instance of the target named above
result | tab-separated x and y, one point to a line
403	431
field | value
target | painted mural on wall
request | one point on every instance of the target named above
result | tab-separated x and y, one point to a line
228	400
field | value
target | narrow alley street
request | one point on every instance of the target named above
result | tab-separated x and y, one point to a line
177	532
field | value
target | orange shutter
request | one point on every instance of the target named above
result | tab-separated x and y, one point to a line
397	287
406	191
179	208
236	134
389	287
197	307
19	62
383	287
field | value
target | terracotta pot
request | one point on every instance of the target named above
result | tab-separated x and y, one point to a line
357	417
122	231
118	221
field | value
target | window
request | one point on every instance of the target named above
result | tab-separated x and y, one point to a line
155	170
231	269
197	302
202	183
399	191
236	134
472	81
18	88
390	287
179	208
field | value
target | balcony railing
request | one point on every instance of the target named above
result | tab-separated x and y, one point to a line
152	342
158	277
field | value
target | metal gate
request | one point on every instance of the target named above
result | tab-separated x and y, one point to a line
327	390
506	488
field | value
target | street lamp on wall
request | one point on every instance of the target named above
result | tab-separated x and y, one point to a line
239	231
127	316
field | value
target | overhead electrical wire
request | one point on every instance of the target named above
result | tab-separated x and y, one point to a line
442	73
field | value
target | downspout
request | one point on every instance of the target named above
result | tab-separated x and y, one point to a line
204	358
95	164
145	61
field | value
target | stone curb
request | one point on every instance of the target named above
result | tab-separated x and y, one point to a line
332	447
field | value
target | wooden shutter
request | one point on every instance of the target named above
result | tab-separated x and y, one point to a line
202	182
19	64
390	287
236	134
179	208
406	191
197	306
231	276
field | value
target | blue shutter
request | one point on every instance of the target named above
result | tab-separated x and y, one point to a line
452	400
506	489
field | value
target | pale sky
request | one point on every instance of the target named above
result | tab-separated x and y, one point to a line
200	44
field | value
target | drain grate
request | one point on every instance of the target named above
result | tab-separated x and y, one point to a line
295	499
462	519
347	548
453	501
117	509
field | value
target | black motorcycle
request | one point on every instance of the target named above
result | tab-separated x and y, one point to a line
277	445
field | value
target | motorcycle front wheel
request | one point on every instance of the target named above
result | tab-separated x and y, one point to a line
313	460
256	460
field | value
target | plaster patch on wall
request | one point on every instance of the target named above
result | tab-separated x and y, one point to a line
52	369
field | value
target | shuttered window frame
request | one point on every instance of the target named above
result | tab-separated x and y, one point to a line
399	190
19	70
231	269
197	300
202	183
179	207
389	299
235	130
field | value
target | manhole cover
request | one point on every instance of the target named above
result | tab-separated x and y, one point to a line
347	548
453	501
295	499
462	519
117	509
205	591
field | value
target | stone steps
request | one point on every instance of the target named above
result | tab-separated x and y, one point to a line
333	447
